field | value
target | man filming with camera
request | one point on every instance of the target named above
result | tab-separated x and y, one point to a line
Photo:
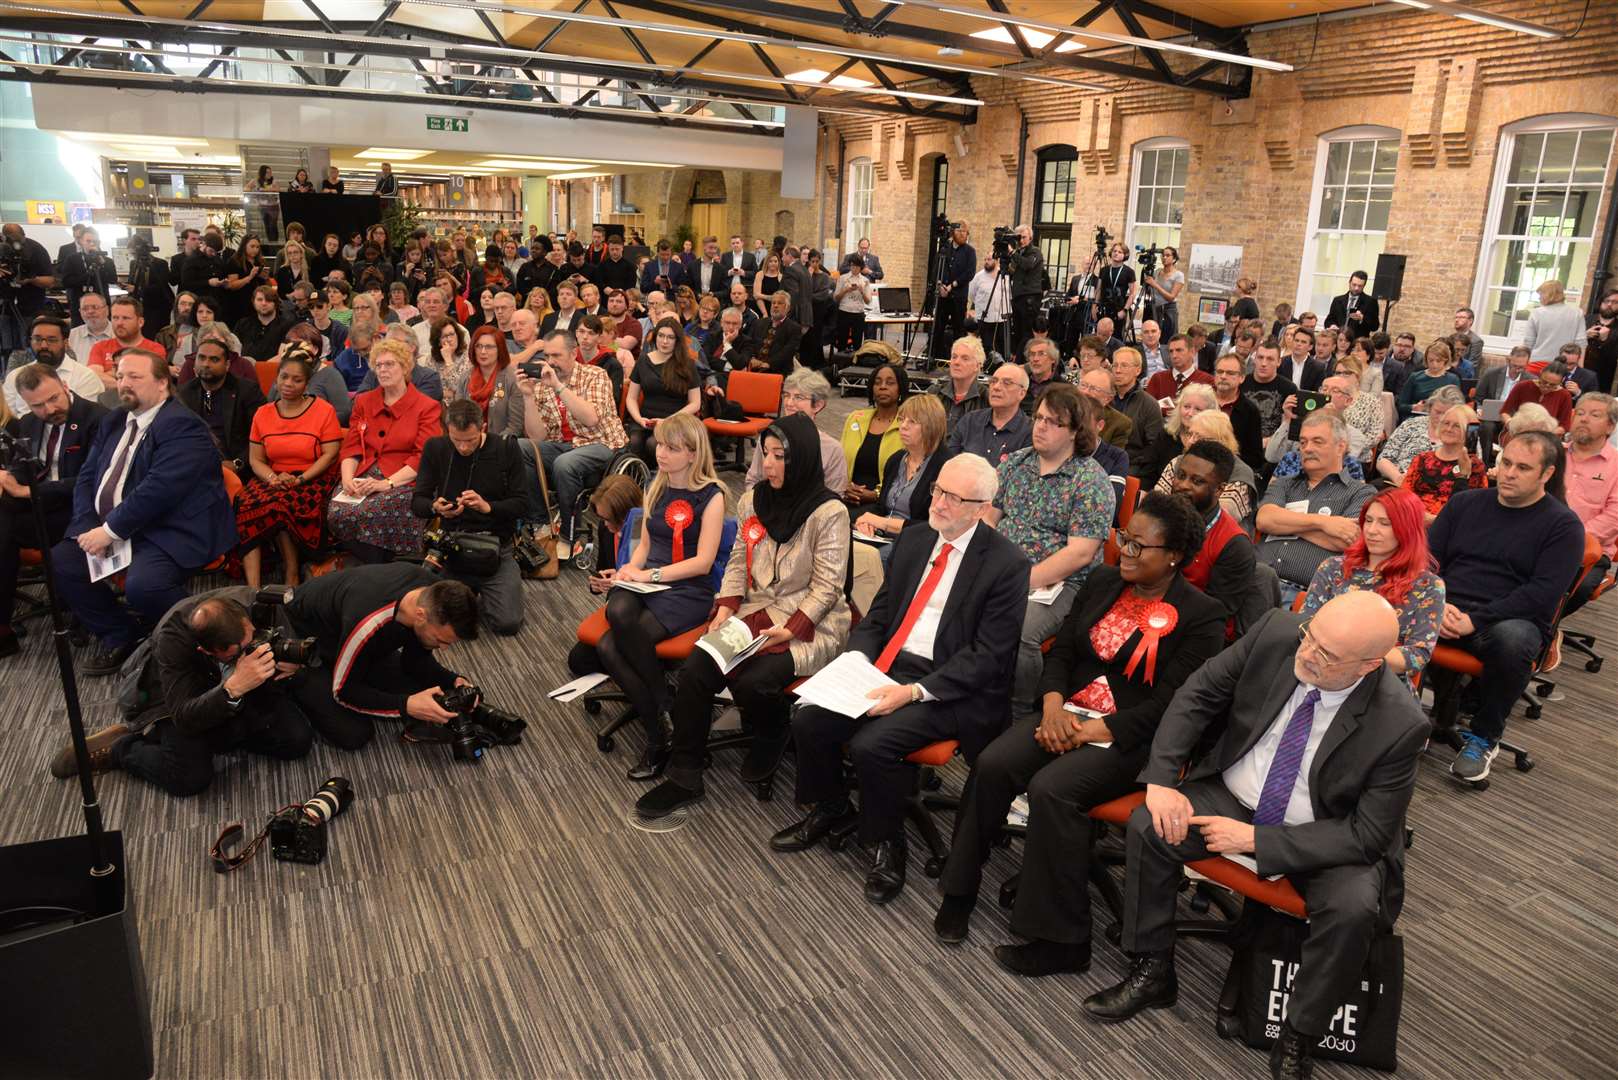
476	488
376	629
221	688
958	262
87	269
25	274
1027	266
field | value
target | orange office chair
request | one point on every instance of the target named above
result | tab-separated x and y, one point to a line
758	394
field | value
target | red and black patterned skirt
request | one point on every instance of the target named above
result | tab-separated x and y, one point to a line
262	510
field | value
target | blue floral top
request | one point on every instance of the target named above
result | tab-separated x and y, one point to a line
1419	616
1041	512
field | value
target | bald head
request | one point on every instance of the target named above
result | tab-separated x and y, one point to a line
1347	639
1097	383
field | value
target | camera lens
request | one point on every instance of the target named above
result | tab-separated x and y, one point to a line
332	799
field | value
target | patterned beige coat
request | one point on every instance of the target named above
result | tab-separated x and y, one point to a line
805	575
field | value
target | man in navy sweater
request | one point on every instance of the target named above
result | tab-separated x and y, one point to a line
1507	555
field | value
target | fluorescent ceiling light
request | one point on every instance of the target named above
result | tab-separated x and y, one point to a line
820	78
1037	39
578	176
1503	22
132	140
387	153
522	163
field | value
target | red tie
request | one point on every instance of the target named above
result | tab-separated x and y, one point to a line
923	594
50	448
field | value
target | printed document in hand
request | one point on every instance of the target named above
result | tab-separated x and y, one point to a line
874	539
1047	595
638	586
841	685
1088	714
729	645
118	557
343	498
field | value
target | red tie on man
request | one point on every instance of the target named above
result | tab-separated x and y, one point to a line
923	594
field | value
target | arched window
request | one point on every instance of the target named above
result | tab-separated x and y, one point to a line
1053	208
1348	213
1157	192
1542	217
859	203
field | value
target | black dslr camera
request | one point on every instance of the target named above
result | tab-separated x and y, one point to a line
298	833
267	631
477	725
475	554
1005	241
530	550
1147	258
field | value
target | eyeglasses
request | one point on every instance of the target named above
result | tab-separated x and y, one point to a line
1326	659
1132	547
1041	418
1006	382
952	500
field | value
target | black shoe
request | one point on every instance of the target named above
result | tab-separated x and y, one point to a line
653	760
887	877
106	660
1039	958
1150	984
954	919
764	755
805	834
666	798
1289	1057
420	731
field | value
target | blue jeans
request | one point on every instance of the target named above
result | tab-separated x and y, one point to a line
1508	650
572	470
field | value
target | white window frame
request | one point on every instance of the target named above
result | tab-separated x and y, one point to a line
1497	191
1317	190
859	169
1131	223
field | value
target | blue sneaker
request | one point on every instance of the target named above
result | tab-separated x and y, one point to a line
1472	763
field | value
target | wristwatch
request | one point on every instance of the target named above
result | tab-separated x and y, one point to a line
915	692
657	574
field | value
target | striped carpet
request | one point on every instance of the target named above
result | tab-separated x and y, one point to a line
505	919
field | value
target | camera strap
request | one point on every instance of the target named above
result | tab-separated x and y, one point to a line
224	863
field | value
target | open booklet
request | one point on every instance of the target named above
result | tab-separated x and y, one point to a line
638	586
841	686
729	645
343	498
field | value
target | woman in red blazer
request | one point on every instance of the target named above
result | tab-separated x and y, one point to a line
370	513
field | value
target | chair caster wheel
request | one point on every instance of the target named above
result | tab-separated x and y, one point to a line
1525	763
1534	712
604	743
1115	933
933	782
707	761
1003	840
592	707
1199	903
1008	895
1593	666
1228	1026
764	790
934	866
836	843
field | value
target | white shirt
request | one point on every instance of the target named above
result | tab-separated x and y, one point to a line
925	631
424	345
977	297
1245	778
81	339
708	276
75	376
143	421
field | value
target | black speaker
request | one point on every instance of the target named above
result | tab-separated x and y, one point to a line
1390	277
76	1002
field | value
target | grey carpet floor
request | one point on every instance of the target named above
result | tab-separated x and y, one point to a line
506	920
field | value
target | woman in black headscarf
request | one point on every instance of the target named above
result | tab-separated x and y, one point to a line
785	580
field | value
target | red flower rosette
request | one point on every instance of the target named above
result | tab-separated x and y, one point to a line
1157	620
677	516
752	533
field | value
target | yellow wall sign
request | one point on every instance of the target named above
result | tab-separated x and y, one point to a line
46	212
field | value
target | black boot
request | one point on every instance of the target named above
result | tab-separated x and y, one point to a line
655	758
1039	958
954	919
666	798
1289	1057
1150	984
887	877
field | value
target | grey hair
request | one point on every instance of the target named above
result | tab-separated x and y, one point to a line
439	293
810	383
1190	392
1339	430
985	481
1447	396
974	345
1604	399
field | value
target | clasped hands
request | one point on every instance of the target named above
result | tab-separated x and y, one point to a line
1060	731
1173	816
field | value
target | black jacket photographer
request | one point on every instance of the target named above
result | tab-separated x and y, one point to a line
377	628
958	264
25	274
149	280
473	482
218	692
1027	266
86	269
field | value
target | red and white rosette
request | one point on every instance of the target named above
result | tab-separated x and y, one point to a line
752	533
1158	619
677	516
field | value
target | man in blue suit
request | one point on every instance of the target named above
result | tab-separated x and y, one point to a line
663	273
153	480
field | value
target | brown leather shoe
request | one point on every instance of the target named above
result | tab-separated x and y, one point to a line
66	764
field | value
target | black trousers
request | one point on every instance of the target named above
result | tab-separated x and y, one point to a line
1053	897
17	531
338	724
182	764
950	322
877	745
850	331
1344	905
1024	310
758	687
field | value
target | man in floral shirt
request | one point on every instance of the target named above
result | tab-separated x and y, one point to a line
1056	504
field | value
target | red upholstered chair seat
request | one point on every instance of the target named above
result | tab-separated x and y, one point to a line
675	647
934	754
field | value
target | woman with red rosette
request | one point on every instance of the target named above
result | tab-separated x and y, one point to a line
676	545
1135	633
786	580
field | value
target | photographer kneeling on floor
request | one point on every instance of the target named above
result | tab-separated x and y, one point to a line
214	664
376	629
474	485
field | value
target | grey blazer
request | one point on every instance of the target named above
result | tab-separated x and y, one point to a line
505	406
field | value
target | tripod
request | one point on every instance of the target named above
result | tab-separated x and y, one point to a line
940	260
1002	335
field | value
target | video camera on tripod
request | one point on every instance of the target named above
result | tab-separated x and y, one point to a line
1005	242
1147	258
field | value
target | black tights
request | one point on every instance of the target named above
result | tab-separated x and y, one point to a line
642	443
628	652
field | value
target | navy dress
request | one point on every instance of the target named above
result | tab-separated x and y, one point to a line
685	603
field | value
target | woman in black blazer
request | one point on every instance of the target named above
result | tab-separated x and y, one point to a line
907	481
1134	635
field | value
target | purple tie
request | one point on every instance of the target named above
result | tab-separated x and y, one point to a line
109	485
1283	774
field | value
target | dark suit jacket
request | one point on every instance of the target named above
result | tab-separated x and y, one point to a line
745	261
1313	374
174	493
77	443
675	274
783	346
1492	384
976	645
1072	663
1366	306
921	496
1362	776
795	280
239	399
741	350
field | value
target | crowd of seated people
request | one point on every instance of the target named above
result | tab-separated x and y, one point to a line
412	387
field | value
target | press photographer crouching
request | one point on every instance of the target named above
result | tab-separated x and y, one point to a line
473	486
219	671
376	629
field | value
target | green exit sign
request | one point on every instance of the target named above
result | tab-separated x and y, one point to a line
448	123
